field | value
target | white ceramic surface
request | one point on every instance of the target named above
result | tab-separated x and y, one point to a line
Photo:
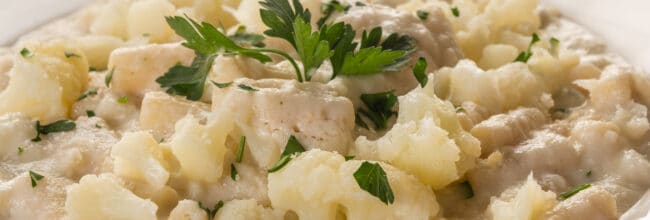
623	23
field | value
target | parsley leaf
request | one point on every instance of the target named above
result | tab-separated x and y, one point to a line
348	157
87	93
293	147
242	38
423	15
35	177
20	151
340	37
369	61
574	191
311	49
233	172
70	54
240	150
279	16
58	126
379	108
372	178
221	85
123	100
212	212
525	55
207	42
90	113
455	12
109	77
26	53
247	88
328	9
467	189
419	71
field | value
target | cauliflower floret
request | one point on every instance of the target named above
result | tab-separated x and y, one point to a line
139	157
97	48
508	129
46	83
428	140
312	112
525	203
318	184
499	90
247	210
201	147
188	210
111	19
148	17
135	69
104	197
160	112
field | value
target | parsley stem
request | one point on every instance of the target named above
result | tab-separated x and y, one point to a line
285	55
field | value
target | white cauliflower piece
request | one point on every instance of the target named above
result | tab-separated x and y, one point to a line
428	140
312	112
97	48
524	203
104	197
160	112
139	157
188	210
316	183
201	147
499	90
111	19
247	210
45	84
508	129
148	17
135	69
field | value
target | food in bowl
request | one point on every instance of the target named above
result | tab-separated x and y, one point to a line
277	109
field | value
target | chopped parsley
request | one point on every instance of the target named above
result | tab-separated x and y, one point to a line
554	42
221	85
589	173
87	93
525	55
460	109
58	126
292	148
379	108
21	150
233	172
468	191
350	157
574	191
26	53
240	150
455	12
247	88
123	100
423	15
419	70
109	77
90	113
372	178
35	177
212	212
70	54
328	9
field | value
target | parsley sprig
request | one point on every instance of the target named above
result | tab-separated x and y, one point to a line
292	148
379	108
372	178
58	126
526	55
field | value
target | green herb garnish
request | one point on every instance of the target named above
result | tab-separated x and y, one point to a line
58	126
21	150
212	212
349	157
221	85
589	173
574	191
455	12
35	177
468	191
90	113
419	70
423	15
233	172
247	88
372	178
328	9
240	150
109	77
26	53
242	38
70	54
123	100
292	148
379	108
87	93
524	56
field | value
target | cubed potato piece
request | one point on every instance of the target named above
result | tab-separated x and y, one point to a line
160	112
312	112
247	209
201	147
147	17
317	183
46	84
104	197
139	157
527	202
188	210
98	48
136	69
427	141
18	198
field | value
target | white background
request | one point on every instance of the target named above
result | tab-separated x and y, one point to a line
625	24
